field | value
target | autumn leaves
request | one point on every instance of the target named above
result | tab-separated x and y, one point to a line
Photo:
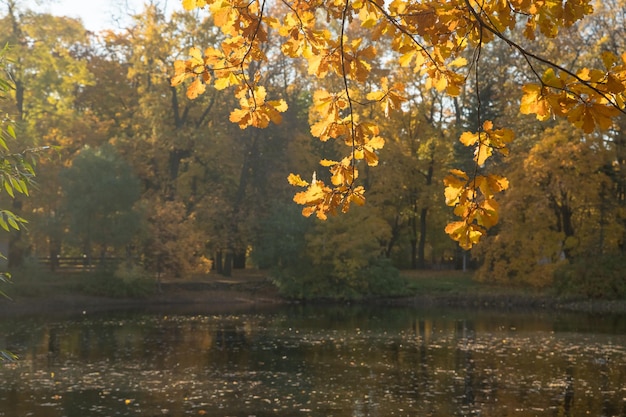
438	40
473	198
589	99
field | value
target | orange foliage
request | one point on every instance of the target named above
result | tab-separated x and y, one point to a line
430	37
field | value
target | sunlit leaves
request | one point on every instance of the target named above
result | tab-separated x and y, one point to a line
195	89
473	198
589	100
9	220
255	110
487	140
328	108
322	200
192	4
16	169
431	38
474	202
467	234
389	97
296	180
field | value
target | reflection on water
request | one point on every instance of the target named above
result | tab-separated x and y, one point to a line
316	362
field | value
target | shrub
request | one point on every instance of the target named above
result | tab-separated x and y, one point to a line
310	282
128	281
600	278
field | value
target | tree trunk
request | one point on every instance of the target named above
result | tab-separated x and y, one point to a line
16	250
239	260
395	233
228	264
219	265
55	253
413	253
413	240
421	249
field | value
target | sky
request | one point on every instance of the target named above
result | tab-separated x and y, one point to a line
99	14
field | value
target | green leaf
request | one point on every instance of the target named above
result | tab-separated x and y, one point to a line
24	186
16	185
13	223
11	131
4	224
8	189
5	355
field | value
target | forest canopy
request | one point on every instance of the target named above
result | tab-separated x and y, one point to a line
444	116
363	44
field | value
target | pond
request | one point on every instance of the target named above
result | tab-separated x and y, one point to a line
315	361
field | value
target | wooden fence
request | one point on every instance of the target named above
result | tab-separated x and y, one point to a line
79	264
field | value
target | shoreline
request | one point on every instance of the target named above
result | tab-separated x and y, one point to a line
220	302
515	303
238	294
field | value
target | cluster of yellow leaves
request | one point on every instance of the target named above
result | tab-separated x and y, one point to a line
474	202
473	198
487	140
255	110
323	200
427	37
589	99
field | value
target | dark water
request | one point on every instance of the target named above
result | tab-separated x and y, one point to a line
324	361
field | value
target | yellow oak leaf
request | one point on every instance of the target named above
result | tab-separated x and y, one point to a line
357	196
376	95
376	142
608	59
533	102
241	117
296	180
192	4
179	78
454	187
312	195
458	62
226	81
328	162
482	152
196	88
468	138
405	59
279	105
614	85
487	213
491	184
467	235
196	57
370	157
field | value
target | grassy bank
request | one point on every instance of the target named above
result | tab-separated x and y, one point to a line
429	287
457	288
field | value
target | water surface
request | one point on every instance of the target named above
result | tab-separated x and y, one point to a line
324	361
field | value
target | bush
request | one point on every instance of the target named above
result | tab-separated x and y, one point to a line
338	259
599	278
31	279
128	281
383	279
308	282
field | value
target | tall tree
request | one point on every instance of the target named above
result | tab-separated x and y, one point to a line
49	72
408	188
100	191
557	211
16	171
